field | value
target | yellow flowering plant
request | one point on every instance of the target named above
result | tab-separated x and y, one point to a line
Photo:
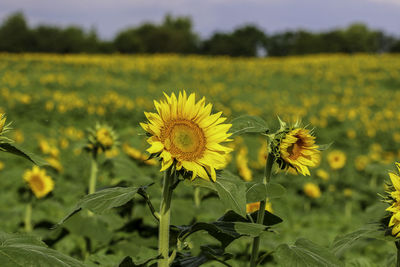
101	138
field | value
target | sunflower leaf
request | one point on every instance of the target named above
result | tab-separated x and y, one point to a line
232	192
103	200
248	124
345	242
9	148
324	146
24	250
226	229
256	192
305	253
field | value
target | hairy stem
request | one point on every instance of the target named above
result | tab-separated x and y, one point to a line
260	215
398	253
28	218
165	214
93	175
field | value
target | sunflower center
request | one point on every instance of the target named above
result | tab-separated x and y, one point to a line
37	183
295	149
184	139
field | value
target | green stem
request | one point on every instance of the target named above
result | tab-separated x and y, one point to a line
261	211
93	175
165	214
28	218
398	253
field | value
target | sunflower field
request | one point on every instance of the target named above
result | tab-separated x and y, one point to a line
120	161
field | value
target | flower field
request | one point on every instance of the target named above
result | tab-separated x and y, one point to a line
351	102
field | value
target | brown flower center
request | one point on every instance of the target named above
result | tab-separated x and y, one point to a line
184	139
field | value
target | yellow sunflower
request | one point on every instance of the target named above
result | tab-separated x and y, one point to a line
40	183
299	151
102	138
394	200
312	190
255	206
185	132
336	159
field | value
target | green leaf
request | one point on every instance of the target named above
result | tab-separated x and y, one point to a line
232	192
305	253
324	146
21	250
226	229
248	124
269	218
103	200
249	229
256	192
275	190
208	253
9	148
344	242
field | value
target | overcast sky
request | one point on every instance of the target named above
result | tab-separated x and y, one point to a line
109	16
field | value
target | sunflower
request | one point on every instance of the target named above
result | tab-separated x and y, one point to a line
40	183
299	151
255	206
336	159
394	200
312	190
184	132
102	138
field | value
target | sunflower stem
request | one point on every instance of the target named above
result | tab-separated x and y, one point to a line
28	218
165	214
398	253
261	211
93	175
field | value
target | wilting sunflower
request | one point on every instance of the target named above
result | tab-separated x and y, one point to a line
40	183
299	151
394	200
185	132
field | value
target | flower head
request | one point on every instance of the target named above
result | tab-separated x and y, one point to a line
185	132
393	199
336	159
101	138
312	190
294	147
40	183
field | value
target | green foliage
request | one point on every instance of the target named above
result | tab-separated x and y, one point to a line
13	149
248	124
103	200
305	253
23	250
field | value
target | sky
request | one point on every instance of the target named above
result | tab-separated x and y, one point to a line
208	16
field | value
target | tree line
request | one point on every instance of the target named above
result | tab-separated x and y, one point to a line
176	35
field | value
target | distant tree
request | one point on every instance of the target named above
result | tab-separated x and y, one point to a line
174	35
15	35
243	41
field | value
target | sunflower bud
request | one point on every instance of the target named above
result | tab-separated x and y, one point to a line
294	147
101	138
4	128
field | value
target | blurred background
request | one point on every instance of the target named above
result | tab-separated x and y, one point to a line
65	65
212	27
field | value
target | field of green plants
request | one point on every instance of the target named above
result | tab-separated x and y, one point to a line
349	101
